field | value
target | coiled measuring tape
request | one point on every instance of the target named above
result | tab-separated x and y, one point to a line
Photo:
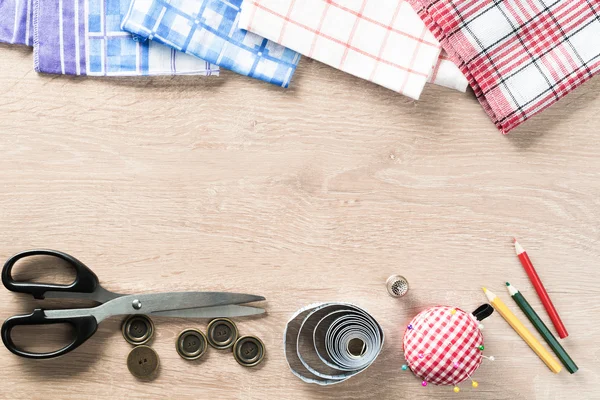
328	343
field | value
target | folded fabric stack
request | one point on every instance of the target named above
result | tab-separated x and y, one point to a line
383	41
519	56
83	37
209	29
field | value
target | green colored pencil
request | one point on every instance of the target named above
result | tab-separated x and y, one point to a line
542	328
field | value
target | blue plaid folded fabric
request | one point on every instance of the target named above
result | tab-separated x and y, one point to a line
208	29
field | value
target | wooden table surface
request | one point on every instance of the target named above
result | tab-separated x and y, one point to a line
316	193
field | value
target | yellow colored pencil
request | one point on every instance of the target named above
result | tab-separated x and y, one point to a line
523	332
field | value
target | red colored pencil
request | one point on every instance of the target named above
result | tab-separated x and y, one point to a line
541	291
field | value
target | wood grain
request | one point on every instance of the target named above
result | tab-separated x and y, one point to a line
316	193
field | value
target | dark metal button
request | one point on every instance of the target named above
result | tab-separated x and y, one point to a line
249	351
222	333
138	329
143	362
191	344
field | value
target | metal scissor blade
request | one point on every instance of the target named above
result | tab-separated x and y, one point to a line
184	300
99	295
159	302
174	301
229	311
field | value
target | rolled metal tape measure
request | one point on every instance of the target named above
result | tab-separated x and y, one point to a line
328	343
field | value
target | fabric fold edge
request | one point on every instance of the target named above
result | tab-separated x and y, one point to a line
454	55
36	35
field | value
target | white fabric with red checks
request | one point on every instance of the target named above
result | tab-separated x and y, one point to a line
383	41
441	345
520	56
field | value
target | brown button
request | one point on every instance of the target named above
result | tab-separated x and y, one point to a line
142	362
191	344
138	329
222	333
249	351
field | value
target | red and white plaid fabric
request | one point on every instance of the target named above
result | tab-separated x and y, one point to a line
383	41
520	56
441	347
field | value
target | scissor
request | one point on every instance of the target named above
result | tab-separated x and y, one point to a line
85	320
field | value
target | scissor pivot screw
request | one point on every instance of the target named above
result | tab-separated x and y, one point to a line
136	304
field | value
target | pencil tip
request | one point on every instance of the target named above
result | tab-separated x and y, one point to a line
507	283
484	289
514	240
518	248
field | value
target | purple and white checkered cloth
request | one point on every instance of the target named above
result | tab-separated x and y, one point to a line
84	37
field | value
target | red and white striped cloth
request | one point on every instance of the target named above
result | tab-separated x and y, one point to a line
441	345
520	56
383	41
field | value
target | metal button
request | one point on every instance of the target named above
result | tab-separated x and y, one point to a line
138	329
191	344
143	362
249	351
222	333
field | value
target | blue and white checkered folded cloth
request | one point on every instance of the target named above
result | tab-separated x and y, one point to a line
208	29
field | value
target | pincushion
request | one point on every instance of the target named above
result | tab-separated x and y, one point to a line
443	346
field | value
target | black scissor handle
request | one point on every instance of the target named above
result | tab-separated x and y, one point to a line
85	280
84	327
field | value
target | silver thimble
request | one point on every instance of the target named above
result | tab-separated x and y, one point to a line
397	286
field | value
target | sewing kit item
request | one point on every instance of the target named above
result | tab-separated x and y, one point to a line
328	343
397	286
382	41
16	22
519	56
222	333
249	351
541	290
83	37
209	29
525	334
444	345
543	330
143	362
86	287
191	344
137	329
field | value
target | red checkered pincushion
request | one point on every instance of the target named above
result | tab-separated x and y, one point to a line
442	345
